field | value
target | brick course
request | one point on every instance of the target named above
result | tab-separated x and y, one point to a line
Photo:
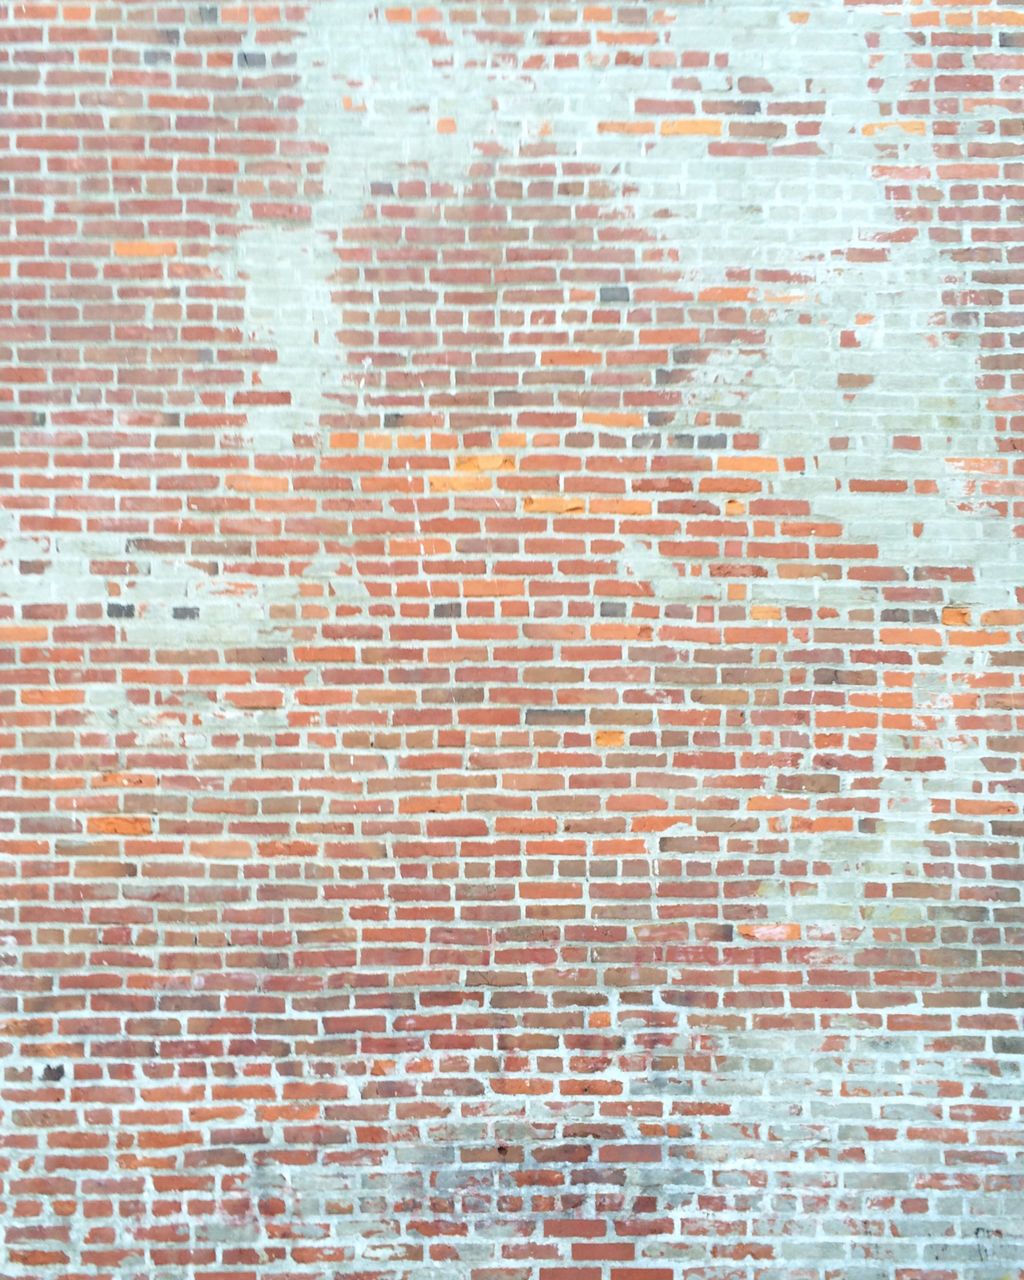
511	613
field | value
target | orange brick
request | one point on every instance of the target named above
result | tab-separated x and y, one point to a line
118	825
691	126
145	248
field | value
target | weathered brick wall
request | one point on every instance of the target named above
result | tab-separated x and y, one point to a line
511	616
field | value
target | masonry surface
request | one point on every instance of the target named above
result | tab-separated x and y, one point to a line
511	617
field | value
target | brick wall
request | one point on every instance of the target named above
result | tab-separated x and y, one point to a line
511	614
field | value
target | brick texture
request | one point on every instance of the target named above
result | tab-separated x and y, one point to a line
511	617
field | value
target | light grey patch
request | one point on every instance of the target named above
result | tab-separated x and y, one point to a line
286	273
18	550
668	582
916	384
346	588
